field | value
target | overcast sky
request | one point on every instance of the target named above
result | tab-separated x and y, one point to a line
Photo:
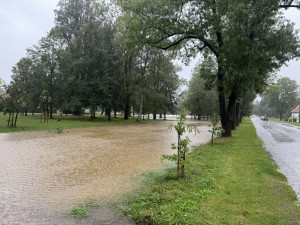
24	22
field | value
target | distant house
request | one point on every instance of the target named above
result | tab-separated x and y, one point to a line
296	114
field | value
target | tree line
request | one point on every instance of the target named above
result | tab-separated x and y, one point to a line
117	55
82	63
242	42
279	99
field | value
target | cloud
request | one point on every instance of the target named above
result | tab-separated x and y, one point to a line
23	24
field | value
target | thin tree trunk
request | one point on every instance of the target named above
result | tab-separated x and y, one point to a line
8	122
233	117
178	154
281	111
127	107
16	118
51	111
238	113
115	113
12	119
141	109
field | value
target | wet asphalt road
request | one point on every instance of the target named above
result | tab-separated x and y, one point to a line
282	141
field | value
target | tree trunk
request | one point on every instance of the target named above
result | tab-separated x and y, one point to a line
16	118
154	115
108	113
51	111
12	119
165	115
222	103
8	121
141	109
281	111
115	113
238	114
127	107
233	117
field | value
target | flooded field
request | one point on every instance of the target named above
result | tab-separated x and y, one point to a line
44	174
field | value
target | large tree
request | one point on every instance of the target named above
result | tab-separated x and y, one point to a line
246	39
282	96
197	98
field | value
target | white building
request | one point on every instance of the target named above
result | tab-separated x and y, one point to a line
296	113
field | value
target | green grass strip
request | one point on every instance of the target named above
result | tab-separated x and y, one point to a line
233	182
35	123
282	121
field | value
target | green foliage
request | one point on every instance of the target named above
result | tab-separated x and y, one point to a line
79	212
215	131
279	99
59	130
197	98
242	42
182	144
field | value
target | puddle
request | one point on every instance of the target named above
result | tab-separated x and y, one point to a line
43	174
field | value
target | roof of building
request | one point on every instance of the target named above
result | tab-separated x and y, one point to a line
296	110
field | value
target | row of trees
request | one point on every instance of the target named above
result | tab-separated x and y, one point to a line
279	99
82	63
242	41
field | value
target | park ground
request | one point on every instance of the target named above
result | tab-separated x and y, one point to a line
233	182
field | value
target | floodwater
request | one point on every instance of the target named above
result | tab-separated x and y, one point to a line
44	174
283	143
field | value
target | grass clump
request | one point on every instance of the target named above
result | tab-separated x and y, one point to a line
79	212
233	182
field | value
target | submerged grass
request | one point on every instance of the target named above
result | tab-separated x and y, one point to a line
233	182
34	123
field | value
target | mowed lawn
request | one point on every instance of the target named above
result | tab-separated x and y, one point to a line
234	182
35	123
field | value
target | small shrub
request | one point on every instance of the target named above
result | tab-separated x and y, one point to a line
215	131
79	212
59	130
182	143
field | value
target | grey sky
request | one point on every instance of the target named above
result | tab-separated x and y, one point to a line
24	22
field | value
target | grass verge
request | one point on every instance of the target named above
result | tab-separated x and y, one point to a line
233	182
278	121
34	123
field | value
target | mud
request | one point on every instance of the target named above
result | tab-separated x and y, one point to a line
44	174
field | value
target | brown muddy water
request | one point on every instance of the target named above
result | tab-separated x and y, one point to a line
44	174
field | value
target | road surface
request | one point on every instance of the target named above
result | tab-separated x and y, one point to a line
282	141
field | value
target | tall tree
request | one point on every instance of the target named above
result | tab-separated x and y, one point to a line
198	99
246	39
282	96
